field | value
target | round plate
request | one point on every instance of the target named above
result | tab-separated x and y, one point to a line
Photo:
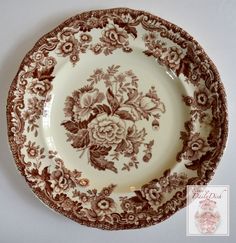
112	114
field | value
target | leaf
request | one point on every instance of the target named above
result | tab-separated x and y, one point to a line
71	126
34	172
184	136
121	146
189	126
135	138
92	214
83	124
138	198
45	73
41	151
184	67
106	191
45	175
124	115
132	96
131	30
166	173
36	133
194	165
107	51
69	104
113	69
97	158
102	108
79	140
135	135
112	100
148	53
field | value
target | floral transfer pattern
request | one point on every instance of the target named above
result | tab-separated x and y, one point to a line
112	38
101	207
41	77
97	206
104	123
118	30
198	148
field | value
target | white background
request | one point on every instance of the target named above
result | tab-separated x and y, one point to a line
23	218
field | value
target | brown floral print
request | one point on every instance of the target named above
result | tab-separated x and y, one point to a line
152	192
32	149
201	100
107	130
38	56
84	102
68	46
41	83
112	39
155	47
173	57
40	87
62	179
85	38
104	123
195	147
103	204
35	110
71	46
54	181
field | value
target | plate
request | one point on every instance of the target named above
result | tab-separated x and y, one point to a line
112	114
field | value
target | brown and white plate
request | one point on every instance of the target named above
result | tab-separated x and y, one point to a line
112	114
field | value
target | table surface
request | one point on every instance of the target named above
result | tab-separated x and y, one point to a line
23	218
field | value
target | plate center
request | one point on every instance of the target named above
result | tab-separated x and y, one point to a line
117	119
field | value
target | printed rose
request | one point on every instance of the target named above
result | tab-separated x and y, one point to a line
40	87
60	181
195	147
34	111
172	182
106	129
153	193
114	38
202	100
173	57
103	204
68	46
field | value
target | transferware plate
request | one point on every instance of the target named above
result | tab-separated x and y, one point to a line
112	114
